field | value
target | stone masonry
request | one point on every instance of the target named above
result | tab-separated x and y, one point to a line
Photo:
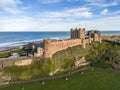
78	37
49	47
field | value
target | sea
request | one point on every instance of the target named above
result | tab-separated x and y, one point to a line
13	39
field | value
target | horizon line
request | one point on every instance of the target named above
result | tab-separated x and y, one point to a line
50	30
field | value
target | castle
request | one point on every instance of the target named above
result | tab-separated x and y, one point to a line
49	47
78	37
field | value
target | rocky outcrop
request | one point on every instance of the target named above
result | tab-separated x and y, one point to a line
23	62
4	79
81	62
8	62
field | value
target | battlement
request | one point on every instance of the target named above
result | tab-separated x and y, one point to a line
78	37
78	33
55	46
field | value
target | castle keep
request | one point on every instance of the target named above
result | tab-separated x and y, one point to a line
78	37
80	33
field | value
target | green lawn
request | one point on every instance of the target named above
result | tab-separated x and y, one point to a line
6	54
89	80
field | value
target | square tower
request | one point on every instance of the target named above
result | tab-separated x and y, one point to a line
78	33
81	33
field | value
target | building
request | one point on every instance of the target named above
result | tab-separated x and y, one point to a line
96	35
48	47
14	55
78	33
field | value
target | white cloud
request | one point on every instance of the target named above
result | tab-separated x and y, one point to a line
59	20
107	23
103	4
110	4
105	11
30	24
9	2
86	0
116	12
94	0
16	23
77	10
80	12
49	1
11	10
11	6
98	3
70	13
51	14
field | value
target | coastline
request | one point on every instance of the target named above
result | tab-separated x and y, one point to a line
111	37
17	44
13	45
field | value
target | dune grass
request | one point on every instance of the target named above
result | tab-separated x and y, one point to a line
90	80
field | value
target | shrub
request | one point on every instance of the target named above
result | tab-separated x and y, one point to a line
101	64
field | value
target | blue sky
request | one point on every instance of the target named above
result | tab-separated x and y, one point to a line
59	15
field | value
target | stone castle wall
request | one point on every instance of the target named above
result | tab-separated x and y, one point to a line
8	62
51	47
78	37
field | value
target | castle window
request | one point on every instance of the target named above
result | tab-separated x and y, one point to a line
92	35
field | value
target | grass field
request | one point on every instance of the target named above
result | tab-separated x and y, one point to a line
89	80
6	54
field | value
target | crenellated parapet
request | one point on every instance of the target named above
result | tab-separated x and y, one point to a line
55	46
78	33
78	37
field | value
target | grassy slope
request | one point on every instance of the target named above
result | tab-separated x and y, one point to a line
74	53
111	54
34	70
63	59
5	55
94	80
89	80
43	68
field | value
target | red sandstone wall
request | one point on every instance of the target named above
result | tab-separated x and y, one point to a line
52	47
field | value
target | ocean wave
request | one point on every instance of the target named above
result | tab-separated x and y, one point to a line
23	42
18	43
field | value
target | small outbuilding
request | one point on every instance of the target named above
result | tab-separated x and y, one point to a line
14	55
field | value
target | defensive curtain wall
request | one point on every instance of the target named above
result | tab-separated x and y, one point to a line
21	61
51	47
78	37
